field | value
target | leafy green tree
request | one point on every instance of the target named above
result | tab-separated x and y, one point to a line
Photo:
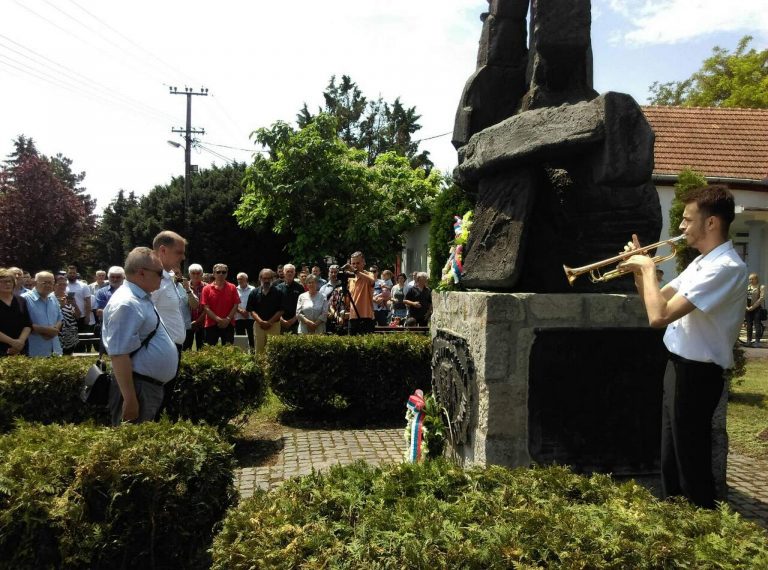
686	180
325	194
738	79
371	125
112	239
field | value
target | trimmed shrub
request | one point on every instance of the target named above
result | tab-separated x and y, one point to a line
45	390
216	385
435	515
142	496
371	375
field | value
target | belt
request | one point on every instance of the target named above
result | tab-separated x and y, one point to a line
147	379
677	358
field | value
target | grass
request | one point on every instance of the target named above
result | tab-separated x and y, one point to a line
748	412
259	441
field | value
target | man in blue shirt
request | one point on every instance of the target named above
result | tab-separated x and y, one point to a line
45	314
116	276
144	358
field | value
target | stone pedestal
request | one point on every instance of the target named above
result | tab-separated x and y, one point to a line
553	378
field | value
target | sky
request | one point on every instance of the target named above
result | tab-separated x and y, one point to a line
91	79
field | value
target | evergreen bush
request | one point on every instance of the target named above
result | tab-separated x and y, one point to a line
45	390
452	201
371	375
435	515
214	385
141	496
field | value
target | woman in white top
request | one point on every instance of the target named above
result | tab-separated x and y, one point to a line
755	304
311	309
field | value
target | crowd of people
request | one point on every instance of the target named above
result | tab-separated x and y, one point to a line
146	313
206	308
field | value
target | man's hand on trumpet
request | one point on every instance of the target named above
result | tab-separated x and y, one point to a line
637	263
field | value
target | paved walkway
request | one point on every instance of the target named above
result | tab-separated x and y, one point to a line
304	450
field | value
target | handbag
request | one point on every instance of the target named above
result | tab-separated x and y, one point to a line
95	388
763	315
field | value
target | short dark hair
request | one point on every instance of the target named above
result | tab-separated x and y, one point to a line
713	200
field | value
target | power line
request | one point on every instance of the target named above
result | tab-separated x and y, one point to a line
105	38
433	137
57	68
214	153
69	86
170	67
236	148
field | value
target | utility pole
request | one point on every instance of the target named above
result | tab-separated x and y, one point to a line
188	132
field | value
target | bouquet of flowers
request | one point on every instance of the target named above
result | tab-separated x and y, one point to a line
453	267
424	430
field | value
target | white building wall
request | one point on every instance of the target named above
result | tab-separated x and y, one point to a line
749	231
415	254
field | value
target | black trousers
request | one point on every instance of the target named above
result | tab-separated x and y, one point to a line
214	333
361	326
754	322
691	393
196	335
245	326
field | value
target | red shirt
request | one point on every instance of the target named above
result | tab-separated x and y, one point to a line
220	301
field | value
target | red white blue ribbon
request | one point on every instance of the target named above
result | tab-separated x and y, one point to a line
416	405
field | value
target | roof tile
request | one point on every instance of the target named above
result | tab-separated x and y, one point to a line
717	141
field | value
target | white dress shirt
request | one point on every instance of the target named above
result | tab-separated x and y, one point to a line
714	284
166	300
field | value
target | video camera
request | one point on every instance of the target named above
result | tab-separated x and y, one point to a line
345	276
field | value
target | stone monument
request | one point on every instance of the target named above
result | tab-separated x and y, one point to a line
530	368
562	175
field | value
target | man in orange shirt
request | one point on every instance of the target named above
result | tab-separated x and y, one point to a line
361	319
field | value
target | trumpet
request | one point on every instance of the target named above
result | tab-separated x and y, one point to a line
594	270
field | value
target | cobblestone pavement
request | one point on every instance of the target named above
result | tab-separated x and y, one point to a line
304	450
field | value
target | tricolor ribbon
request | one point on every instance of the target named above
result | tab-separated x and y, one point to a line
416	405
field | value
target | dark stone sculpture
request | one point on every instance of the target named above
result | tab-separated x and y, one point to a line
562	176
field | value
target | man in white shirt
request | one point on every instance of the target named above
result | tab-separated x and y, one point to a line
82	296
702	310
101	281
168	298
243	319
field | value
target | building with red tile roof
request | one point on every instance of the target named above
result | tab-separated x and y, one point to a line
728	146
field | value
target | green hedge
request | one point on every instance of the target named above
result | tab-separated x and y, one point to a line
45	390
215	385
141	496
435	515
371	375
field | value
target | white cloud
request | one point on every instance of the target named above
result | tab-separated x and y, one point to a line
675	21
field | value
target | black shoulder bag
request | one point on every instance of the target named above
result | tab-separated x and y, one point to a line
95	387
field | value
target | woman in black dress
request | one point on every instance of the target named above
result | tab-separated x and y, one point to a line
15	325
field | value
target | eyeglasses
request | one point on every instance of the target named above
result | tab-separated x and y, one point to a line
158	272
220	272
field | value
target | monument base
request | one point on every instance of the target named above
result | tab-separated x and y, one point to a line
552	378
